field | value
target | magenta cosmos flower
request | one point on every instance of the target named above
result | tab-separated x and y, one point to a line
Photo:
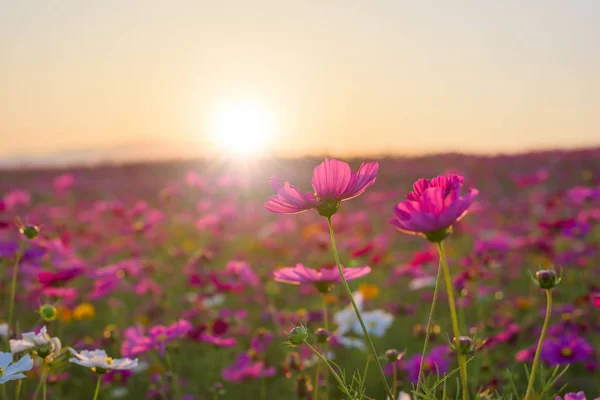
433	207
323	279
333	182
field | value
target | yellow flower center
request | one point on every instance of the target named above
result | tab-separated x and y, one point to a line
427	366
1	371
566	352
372	324
162	337
108	360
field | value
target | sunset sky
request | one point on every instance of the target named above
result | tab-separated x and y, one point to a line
338	77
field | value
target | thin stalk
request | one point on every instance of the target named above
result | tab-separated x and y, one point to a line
461	358
170	367
42	382
536	359
325	314
324	360
326	372
357	311
97	392
428	327
18	389
13	288
263	388
394	380
317	378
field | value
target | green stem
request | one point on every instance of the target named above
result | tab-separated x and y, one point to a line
536	359
263	388
461	358
429	322
325	315
98	383
42	382
326	325
357	311
13	289
394	380
170	367
44	387
18	389
317	372
324	360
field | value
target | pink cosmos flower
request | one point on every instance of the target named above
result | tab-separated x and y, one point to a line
246	368
63	182
596	299
333	182
323	279
433	207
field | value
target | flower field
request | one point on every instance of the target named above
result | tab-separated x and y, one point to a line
213	280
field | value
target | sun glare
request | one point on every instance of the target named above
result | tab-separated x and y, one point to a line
242	127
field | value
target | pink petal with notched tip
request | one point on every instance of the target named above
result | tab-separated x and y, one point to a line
331	179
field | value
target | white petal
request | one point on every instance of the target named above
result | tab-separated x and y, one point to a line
5	359
83	363
23	365
5	378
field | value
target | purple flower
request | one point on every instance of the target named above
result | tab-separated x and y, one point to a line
136	342
300	274
436	361
244	367
333	181
162	335
261	341
574	396
433	206
566	350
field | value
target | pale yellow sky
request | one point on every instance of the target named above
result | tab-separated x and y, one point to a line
342	77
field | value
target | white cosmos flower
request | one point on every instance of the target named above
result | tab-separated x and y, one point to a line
97	359
4	330
422	282
31	340
10	371
352	343
346	317
377	322
119	392
402	396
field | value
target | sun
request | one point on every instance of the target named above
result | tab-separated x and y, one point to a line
243	127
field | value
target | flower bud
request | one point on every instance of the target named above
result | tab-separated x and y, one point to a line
30	231
48	312
293	361
298	335
303	387
322	335
547	279
463	345
392	355
218	389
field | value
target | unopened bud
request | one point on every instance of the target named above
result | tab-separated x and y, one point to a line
547	279
392	355
303	386
30	231
298	335
322	335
